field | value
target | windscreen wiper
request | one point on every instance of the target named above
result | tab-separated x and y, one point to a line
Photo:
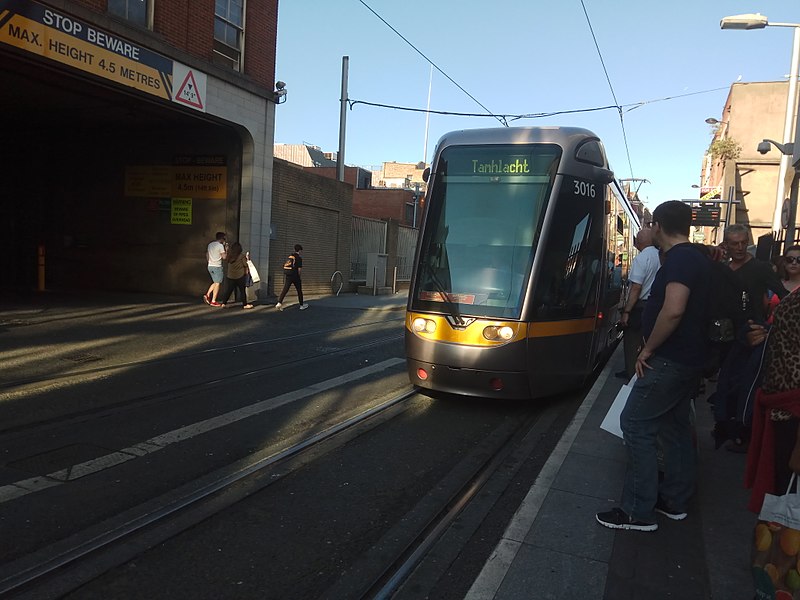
451	306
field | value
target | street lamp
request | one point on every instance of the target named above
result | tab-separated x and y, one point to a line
759	21
713	121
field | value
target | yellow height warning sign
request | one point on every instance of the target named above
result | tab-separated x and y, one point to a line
181	211
200	182
38	29
164	181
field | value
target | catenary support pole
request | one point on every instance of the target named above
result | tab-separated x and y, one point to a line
791	106
342	120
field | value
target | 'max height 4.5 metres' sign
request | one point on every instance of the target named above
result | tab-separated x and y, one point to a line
40	30
195	177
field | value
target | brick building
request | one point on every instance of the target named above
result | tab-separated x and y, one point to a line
136	130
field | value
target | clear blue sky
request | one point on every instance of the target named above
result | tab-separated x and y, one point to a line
525	56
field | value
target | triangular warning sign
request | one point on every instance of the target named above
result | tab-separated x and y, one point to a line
188	92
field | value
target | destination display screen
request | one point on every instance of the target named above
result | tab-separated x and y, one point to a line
502	160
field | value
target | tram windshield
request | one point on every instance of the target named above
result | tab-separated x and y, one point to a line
482	227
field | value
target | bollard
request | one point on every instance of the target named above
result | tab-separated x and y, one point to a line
374	281
394	281
40	268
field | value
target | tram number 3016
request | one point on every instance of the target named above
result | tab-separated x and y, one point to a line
582	188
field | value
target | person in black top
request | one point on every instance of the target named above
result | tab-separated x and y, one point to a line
733	398
292	269
668	368
756	275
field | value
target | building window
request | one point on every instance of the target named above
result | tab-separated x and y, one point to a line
228	32
134	11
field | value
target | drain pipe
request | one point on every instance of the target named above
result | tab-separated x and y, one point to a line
40	268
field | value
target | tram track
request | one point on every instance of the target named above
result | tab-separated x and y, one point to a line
63	566
136	402
382	571
11	385
472	475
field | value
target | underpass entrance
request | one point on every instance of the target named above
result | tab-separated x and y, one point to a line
121	192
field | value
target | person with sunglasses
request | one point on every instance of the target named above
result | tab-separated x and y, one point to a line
790	265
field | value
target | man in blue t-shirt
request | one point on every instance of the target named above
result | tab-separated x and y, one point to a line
668	368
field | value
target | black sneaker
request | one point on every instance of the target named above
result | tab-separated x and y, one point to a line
675	515
617	518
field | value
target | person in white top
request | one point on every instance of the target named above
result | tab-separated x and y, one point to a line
643	272
215	254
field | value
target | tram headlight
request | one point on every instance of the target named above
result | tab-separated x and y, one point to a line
496	334
419	325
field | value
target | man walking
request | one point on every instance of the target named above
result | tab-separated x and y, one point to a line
643	272
669	367
215	254
292	269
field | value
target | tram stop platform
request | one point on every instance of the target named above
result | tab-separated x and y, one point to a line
555	549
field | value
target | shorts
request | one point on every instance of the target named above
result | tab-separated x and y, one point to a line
216	274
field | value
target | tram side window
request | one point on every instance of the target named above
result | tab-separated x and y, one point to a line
574	258
618	236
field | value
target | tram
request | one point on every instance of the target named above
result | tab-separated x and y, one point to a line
525	244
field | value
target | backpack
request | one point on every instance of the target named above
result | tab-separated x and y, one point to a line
288	266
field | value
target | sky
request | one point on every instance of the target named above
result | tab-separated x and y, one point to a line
522	57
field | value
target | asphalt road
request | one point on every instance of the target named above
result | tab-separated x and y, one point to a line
110	407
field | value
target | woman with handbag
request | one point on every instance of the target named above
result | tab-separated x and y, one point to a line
775	447
773	459
236	273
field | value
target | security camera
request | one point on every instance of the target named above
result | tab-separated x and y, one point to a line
764	147
279	95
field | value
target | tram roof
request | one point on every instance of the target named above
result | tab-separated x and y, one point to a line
564	136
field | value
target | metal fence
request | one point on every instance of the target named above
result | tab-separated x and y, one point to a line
406	246
369	235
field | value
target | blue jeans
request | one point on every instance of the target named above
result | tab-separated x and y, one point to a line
658	407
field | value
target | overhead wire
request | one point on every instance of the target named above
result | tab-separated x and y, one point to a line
539	115
434	65
611	87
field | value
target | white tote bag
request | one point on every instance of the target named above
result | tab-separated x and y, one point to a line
611	421
253	272
783	509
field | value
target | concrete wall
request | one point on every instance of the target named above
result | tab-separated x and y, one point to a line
313	211
752	112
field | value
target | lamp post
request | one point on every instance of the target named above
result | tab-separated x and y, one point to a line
759	21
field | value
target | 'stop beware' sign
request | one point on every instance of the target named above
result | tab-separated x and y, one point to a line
40	30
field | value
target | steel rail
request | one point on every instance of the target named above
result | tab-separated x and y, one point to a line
138	402
66	558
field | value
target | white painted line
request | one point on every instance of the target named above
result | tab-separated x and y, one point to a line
494	571
25	486
35	484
